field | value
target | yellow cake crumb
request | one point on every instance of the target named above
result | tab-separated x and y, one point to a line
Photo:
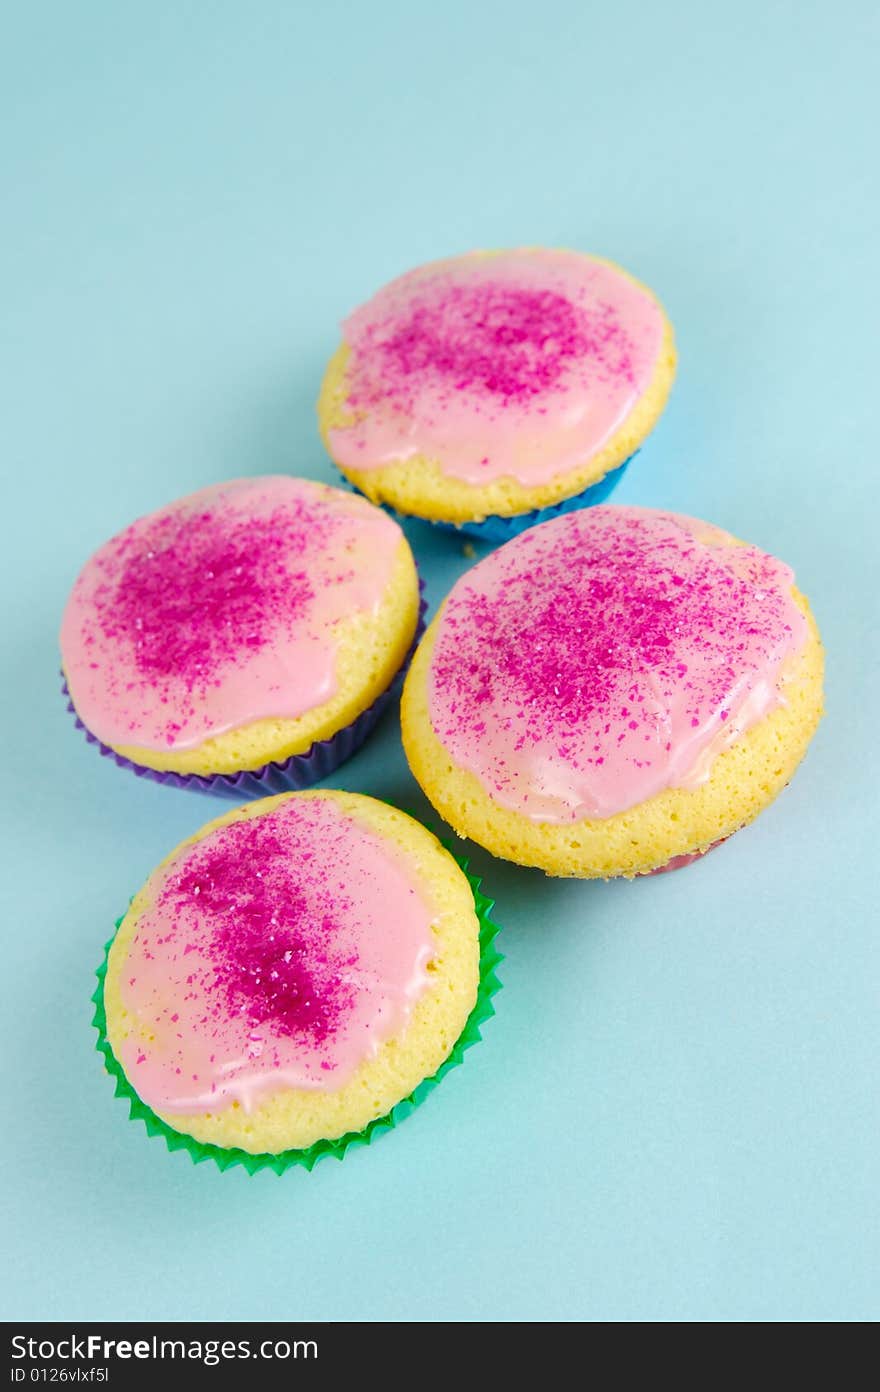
418	486
371	648
295	1118
742	781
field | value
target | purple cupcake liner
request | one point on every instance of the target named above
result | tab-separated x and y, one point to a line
293	774
501	529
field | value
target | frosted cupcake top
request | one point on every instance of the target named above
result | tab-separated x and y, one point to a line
267	959
516	364
606	655
220	609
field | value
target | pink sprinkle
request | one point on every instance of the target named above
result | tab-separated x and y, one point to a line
271	957
507	343
187	595
576	635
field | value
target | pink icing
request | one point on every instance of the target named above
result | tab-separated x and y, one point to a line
606	655
520	364
268	958
219	610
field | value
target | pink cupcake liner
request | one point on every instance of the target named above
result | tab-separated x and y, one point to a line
288	775
680	862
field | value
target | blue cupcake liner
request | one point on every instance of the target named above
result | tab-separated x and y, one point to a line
501	529
293	774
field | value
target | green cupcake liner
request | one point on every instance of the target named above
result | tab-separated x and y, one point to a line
489	985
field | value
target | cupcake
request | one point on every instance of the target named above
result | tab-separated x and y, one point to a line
613	693
244	637
482	390
290	975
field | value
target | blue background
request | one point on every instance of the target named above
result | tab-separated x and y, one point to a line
674	1115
